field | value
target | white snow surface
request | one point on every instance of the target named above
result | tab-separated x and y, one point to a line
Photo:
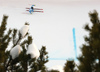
15	51
53	28
57	67
24	30
33	51
39	71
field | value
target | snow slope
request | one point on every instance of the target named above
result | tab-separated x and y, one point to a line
53	28
57	67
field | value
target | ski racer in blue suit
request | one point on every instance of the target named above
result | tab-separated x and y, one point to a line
31	9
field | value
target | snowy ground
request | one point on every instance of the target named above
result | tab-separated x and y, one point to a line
53	28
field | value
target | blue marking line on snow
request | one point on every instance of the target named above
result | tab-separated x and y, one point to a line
74	40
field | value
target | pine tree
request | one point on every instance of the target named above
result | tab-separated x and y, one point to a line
53	71
43	59
91	49
23	62
39	64
15	65
4	42
69	66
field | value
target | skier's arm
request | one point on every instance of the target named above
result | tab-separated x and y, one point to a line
32	5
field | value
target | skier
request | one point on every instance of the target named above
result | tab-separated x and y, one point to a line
31	9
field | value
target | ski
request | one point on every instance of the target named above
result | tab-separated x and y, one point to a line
35	8
36	11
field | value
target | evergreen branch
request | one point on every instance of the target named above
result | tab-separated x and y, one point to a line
3	25
4	39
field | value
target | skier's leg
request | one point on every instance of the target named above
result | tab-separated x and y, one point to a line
30	11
